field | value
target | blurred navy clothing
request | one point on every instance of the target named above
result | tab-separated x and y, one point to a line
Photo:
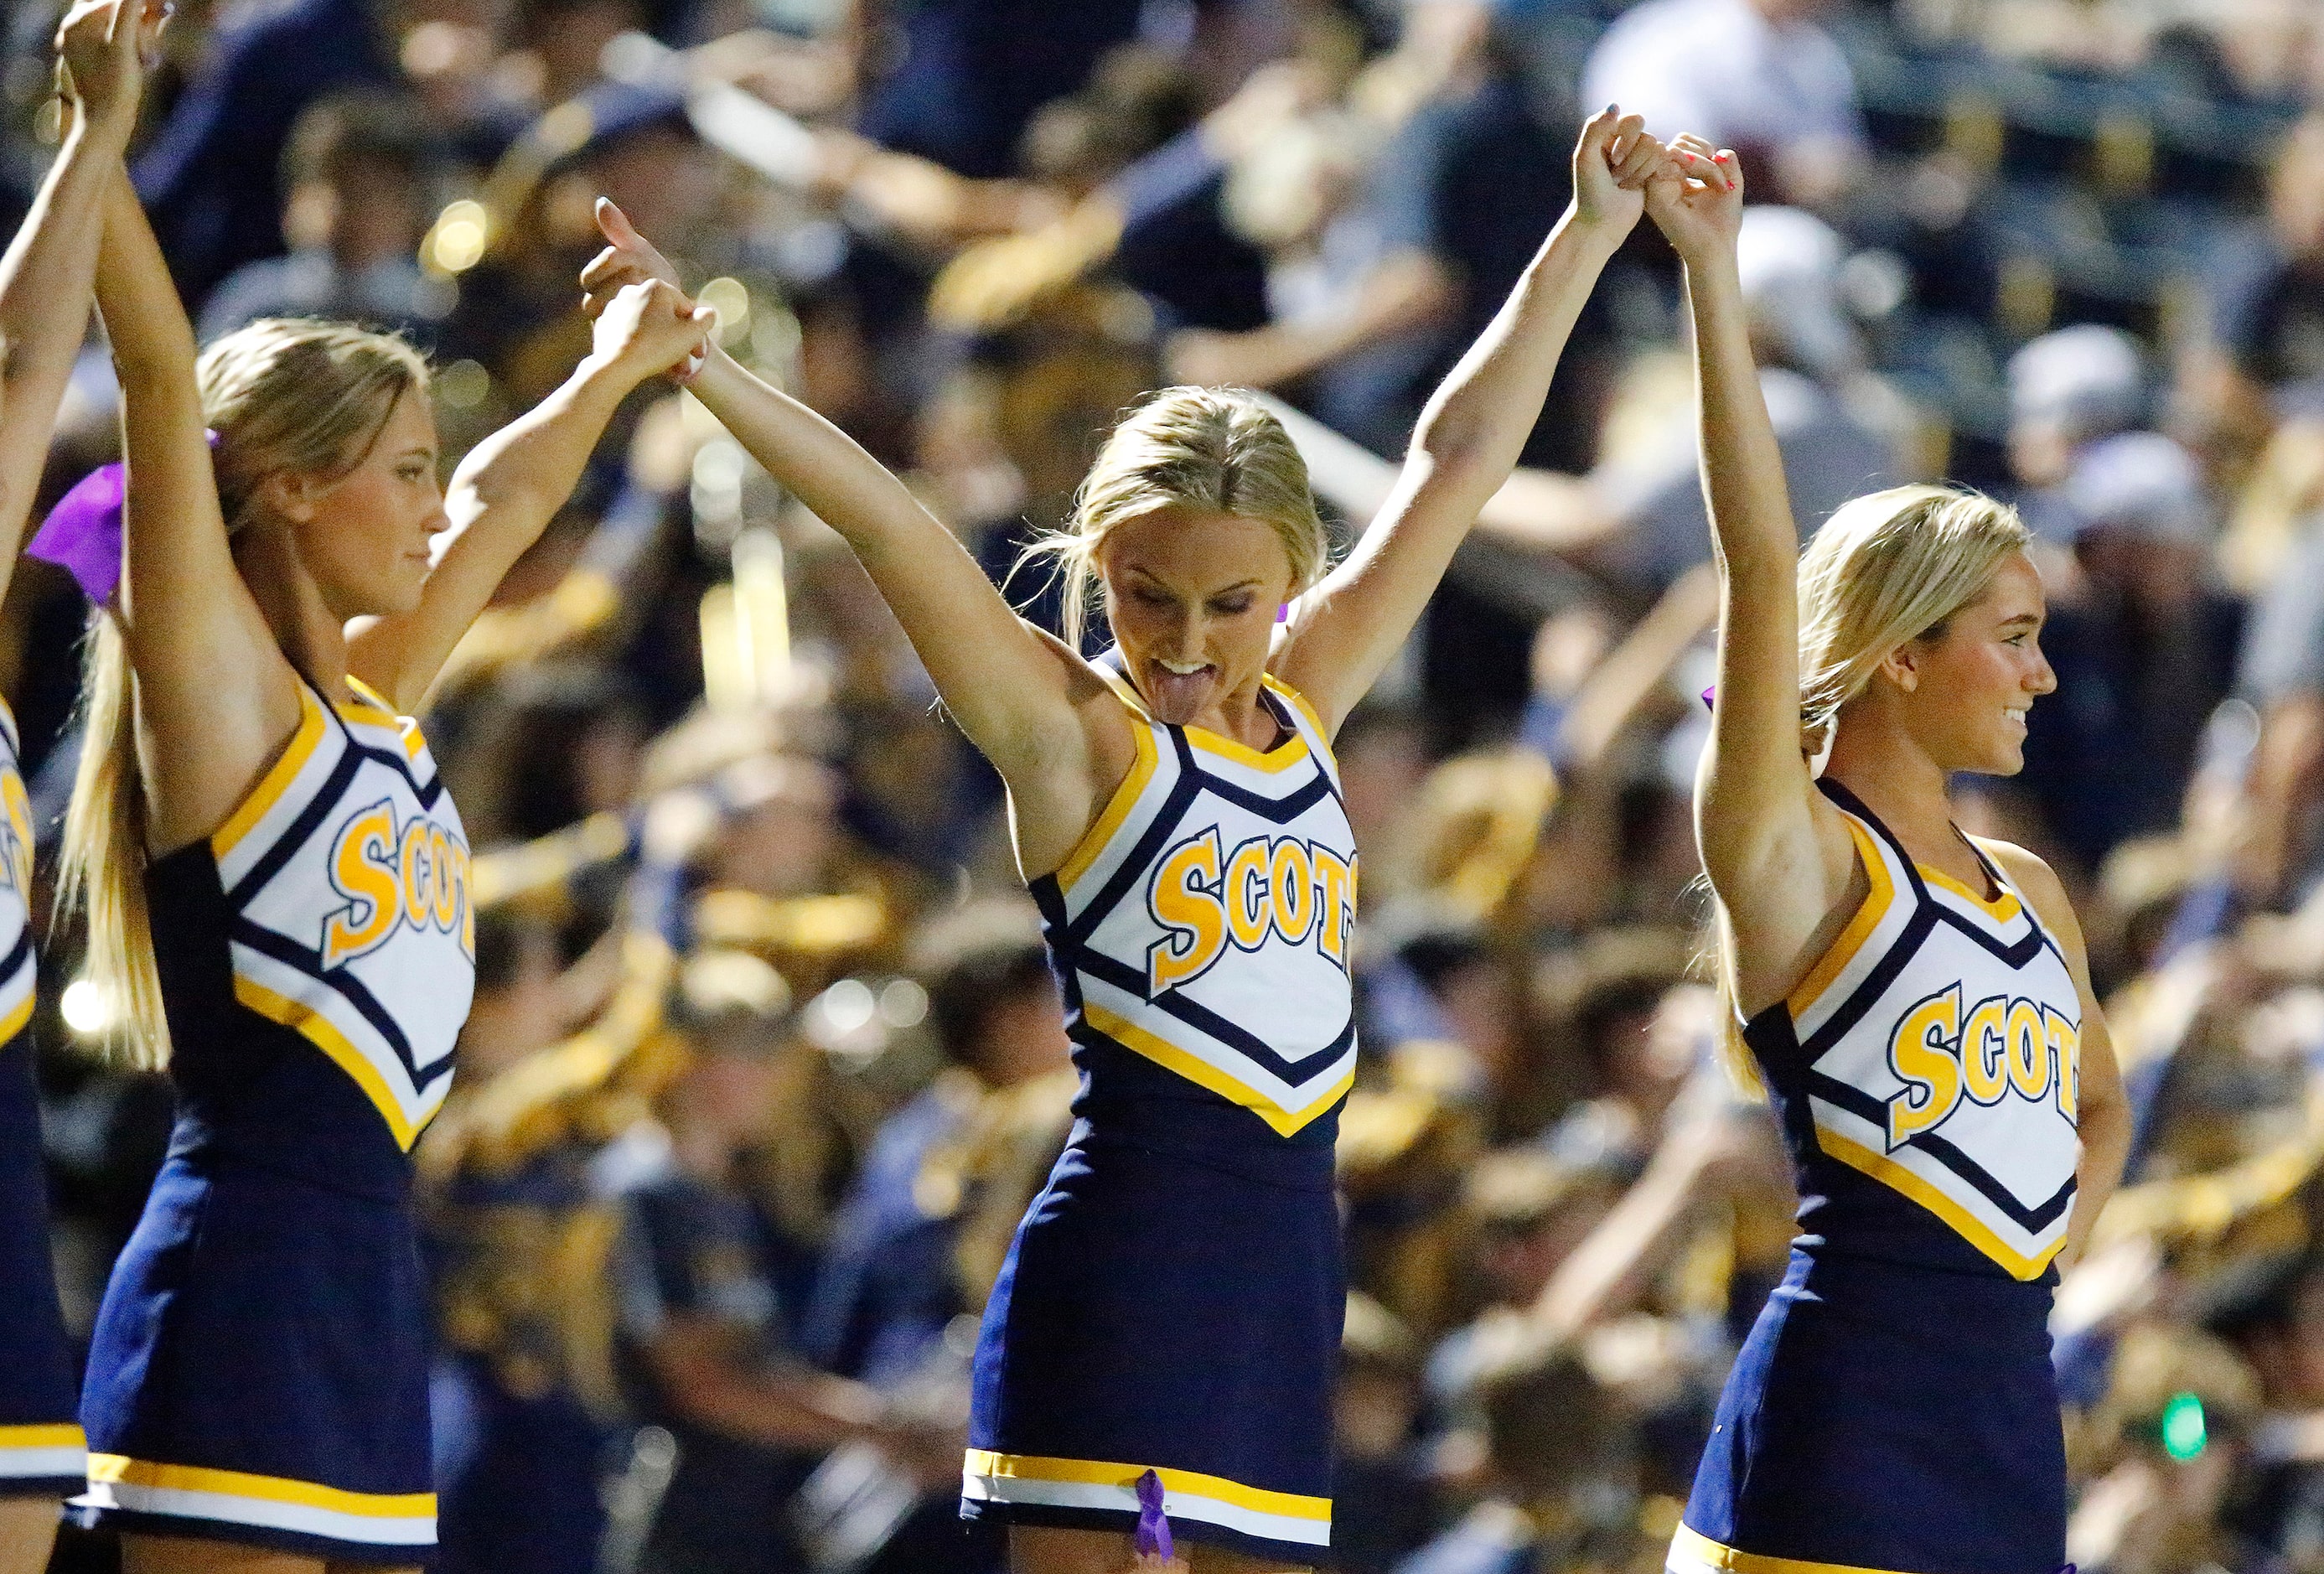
971	73
1476	182
210	180
394	296
516	1474
691	1250
888	1287
1175	248
2108	755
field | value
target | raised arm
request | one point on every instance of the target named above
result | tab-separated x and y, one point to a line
1778	858
46	275
512	484
1034	708
1343	633
217	699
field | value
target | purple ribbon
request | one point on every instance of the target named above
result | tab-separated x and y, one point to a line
1152	1539
1710	698
82	534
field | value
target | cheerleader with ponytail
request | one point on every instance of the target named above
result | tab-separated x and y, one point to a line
278	899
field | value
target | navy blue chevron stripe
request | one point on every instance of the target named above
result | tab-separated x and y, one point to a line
1875	984
1279	811
19	955
286	847
1148	846
1865	1107
349	987
1201	1019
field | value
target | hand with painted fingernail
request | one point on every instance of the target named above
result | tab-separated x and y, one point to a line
1697	199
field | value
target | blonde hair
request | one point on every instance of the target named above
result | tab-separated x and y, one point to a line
282	395
1214	450
1885	569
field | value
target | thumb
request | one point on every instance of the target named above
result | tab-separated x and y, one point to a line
614	224
1599	129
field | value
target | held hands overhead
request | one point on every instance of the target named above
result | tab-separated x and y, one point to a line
104	50
630	262
1693	191
1696	200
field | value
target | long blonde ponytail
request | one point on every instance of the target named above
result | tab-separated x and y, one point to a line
282	395
103	865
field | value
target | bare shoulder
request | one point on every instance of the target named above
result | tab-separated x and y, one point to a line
2039	882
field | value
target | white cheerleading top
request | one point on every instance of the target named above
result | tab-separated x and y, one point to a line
18	965
1934	1049
346	870
1203	925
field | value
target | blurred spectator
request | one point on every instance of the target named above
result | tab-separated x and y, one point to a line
958	80
700	1324
354	178
1758	75
211	177
2268	304
1638	518
928	1219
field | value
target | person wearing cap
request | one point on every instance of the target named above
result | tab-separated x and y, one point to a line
1639	520
701	1328
2142	641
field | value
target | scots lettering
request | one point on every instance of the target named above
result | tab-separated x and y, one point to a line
1999	1048
414	873
1267	889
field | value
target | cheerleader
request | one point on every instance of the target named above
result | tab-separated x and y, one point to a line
1914	998
44	294
277	891
1169	1312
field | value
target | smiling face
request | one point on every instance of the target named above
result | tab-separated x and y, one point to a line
1192	598
366	534
1975	682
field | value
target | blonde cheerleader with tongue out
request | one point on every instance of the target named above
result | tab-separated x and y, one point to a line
1169	1312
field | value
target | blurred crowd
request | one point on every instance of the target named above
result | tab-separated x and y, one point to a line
765	1060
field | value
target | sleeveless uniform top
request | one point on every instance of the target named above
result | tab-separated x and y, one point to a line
17	964
317	954
1924	1074
42	1449
1201	933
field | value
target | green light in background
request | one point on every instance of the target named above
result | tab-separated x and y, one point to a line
2183	1431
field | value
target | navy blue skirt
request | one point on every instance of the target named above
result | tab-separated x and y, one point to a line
1889	1419
259	1371
1156	1312
40	1450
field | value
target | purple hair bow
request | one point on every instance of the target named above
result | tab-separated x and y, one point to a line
82	534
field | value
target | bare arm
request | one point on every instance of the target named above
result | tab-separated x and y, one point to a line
695	1360
1778	858
1346	630
1037	712
45	278
1405	291
512	484
2102	1108
217	699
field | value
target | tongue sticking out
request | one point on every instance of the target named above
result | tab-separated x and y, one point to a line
1179	696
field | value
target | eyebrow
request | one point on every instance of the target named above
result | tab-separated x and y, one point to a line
1223	590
